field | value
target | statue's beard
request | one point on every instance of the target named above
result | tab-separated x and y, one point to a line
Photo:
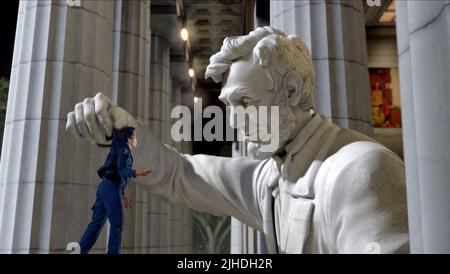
287	123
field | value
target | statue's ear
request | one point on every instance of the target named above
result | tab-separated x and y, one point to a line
292	84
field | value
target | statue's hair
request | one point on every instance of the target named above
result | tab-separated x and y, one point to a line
273	50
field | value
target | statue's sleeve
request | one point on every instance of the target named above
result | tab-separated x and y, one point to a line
217	185
367	210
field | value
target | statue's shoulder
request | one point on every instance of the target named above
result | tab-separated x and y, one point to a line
362	147
358	171
363	157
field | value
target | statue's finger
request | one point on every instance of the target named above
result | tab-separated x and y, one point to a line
101	107
81	122
71	126
92	122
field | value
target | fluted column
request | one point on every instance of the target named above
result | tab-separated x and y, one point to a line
334	31
131	91
159	107
48	181
244	239
174	211
62	55
185	97
423	29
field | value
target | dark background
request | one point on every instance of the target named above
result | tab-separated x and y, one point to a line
8	15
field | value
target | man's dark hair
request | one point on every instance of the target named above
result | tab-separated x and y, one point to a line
121	136
119	141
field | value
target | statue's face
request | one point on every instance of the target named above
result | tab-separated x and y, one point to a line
247	84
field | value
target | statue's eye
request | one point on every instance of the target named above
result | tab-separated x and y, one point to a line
246	100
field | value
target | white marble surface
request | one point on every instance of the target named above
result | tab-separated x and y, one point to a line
423	39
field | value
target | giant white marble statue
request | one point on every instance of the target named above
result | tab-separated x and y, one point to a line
324	190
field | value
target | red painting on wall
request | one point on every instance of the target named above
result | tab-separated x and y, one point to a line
384	114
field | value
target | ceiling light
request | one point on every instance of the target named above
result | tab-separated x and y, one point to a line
184	33
191	72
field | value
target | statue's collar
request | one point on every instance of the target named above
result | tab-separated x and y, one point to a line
294	146
303	136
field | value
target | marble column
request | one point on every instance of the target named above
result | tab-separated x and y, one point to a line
236	239
186	224
131	84
335	33
244	239
159	98
423	35
179	81
175	211
186	233
48	181
165	92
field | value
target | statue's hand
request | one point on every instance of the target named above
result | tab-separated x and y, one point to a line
95	118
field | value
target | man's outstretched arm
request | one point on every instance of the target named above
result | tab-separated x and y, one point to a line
218	185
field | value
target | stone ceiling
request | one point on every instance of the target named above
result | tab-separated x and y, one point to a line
375	14
209	22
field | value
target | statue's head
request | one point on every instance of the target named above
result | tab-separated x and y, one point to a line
266	68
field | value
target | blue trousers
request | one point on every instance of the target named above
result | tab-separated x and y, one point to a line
108	204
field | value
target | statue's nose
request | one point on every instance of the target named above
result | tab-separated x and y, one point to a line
232	96
225	97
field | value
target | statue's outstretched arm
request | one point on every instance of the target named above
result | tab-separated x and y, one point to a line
218	185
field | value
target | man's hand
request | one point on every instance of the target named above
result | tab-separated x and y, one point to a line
126	202
95	118
143	172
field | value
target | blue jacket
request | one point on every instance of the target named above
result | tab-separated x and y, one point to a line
118	167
